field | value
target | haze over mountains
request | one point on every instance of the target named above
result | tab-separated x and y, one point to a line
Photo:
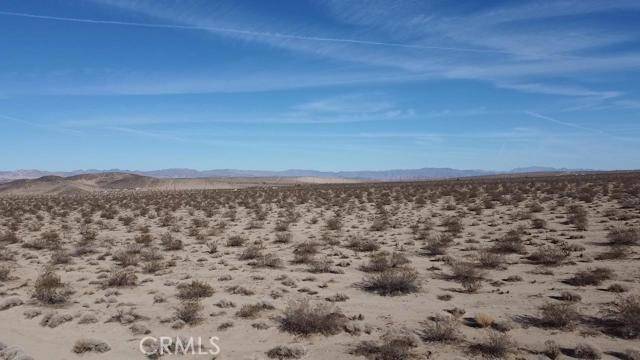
383	175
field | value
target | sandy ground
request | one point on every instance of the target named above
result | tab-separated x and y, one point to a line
505	301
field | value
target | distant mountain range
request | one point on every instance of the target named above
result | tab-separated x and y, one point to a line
382	175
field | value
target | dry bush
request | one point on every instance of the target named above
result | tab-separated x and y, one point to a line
194	290
383	260
268	261
587	351
392	346
393	281
577	215
558	315
251	252
551	349
510	242
9	237
304	252
452	224
438	245
624	236
189	311
490	260
236	241
467	274
90	345
538	223
358	243
590	276
5	270
302	318
323	266
283	238
282	352
121	278
496	345
624	315
549	255
334	223
50	289
440	329
252	311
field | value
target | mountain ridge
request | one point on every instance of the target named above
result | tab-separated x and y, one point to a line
383	175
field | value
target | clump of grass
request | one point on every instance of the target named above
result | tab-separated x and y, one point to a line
361	244
490	260
302	318
438	245
90	345
467	274
251	252
510	242
394	281
552	349
577	215
194	290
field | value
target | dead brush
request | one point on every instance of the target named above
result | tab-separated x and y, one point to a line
624	236
394	345
490	260
189	311
558	315
510	242
623	316
360	244
440	329
49	288
590	276
438	244
253	311
303	318
392	282
121	278
384	260
194	290
236	241
496	345
551	255
251	252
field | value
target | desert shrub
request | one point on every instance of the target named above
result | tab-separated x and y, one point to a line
50	289
496	345
5	270
322	266
617	288
252	311
283	238
623	236
267	261
437	245
121	278
440	329
236	240
251	252
549	255
126	258
170	243
90	345
383	260
577	215
304	252
334	223
303	318
145	239
467	274
538	223
558	315
587	351
394	281
358	243
393	346
194	290
483	320
624	315
281	226
591	276
60	257
281	352
189	311
510	242
570	296
490	260
452	224
9	237
552	349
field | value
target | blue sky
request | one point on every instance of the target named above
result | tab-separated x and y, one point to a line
325	84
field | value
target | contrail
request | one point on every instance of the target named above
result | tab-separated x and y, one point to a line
250	33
